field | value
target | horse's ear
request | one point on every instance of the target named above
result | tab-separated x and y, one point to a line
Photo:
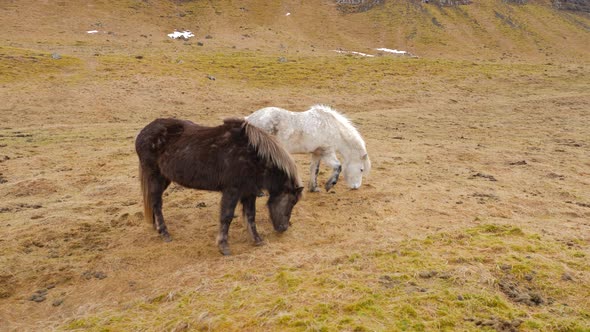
365	156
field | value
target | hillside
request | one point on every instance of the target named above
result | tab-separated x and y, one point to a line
491	30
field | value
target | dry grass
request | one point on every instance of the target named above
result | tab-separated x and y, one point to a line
474	217
445	281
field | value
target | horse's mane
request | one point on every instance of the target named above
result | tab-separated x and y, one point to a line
351	131
271	150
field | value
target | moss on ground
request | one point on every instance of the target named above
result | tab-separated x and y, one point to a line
22	64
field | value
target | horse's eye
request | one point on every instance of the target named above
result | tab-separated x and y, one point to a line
362	170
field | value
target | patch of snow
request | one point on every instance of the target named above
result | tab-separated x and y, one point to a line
92	31
388	50
355	53
181	34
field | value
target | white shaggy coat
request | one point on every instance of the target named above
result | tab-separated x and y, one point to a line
323	132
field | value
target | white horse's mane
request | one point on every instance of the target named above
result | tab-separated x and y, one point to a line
351	132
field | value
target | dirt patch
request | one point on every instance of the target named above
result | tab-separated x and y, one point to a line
498	324
519	293
7	286
36	187
586	205
94	274
483	176
518	163
357	6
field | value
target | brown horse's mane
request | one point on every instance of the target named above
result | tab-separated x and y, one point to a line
269	149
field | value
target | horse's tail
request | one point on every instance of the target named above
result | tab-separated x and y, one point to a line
148	213
148	145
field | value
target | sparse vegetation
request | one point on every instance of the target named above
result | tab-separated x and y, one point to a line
474	217
22	65
381	290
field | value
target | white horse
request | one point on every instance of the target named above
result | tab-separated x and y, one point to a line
322	132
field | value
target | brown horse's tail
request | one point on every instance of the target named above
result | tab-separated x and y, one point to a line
148	213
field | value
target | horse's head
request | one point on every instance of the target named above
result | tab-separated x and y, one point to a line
354	169
280	205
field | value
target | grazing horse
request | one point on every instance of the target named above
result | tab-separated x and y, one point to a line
235	158
322	132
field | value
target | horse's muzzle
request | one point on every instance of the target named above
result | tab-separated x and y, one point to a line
282	228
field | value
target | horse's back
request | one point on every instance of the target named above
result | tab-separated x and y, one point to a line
267	113
210	158
299	132
275	119
268	118
156	135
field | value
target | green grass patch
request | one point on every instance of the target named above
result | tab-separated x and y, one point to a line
423	285
21	64
351	74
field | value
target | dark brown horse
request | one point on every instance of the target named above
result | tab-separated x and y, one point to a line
235	158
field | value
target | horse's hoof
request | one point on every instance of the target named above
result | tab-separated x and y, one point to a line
259	243
224	250
314	190
329	185
166	237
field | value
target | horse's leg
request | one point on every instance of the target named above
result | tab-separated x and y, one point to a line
249	208
158	185
229	200
331	160
314	169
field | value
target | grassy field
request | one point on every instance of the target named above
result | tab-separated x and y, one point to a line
475	215
488	277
